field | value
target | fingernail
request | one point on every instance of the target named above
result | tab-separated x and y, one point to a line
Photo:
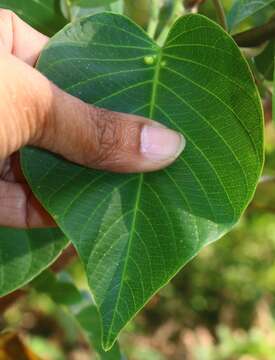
159	143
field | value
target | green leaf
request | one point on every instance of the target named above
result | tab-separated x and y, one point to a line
242	9
92	3
265	61
61	291
117	7
135	232
44	15
89	321
83	8
26	253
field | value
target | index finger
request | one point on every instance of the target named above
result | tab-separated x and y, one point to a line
20	39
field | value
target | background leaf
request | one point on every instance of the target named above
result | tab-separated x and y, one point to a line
44	15
242	9
134	232
61	291
26	253
265	61
81	8
92	3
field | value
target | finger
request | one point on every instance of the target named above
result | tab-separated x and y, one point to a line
20	209
19	39
36	112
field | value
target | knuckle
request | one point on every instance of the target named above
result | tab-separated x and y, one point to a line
108	138
108	130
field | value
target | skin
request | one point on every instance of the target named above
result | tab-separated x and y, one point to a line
33	111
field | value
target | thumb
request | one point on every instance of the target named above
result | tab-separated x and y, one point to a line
36	112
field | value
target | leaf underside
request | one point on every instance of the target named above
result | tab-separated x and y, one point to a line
134	232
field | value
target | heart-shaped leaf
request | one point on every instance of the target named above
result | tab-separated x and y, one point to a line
44	15
135	232
26	253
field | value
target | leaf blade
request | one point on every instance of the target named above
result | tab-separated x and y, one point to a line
144	228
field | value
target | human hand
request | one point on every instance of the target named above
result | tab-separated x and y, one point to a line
33	111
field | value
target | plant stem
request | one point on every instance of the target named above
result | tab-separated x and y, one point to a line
154	18
177	11
256	36
220	13
68	8
273	94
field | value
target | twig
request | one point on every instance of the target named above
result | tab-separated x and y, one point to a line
154	18
177	11
190	4
68	8
256	36
220	13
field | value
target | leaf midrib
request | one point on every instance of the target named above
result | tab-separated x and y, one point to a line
138	196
